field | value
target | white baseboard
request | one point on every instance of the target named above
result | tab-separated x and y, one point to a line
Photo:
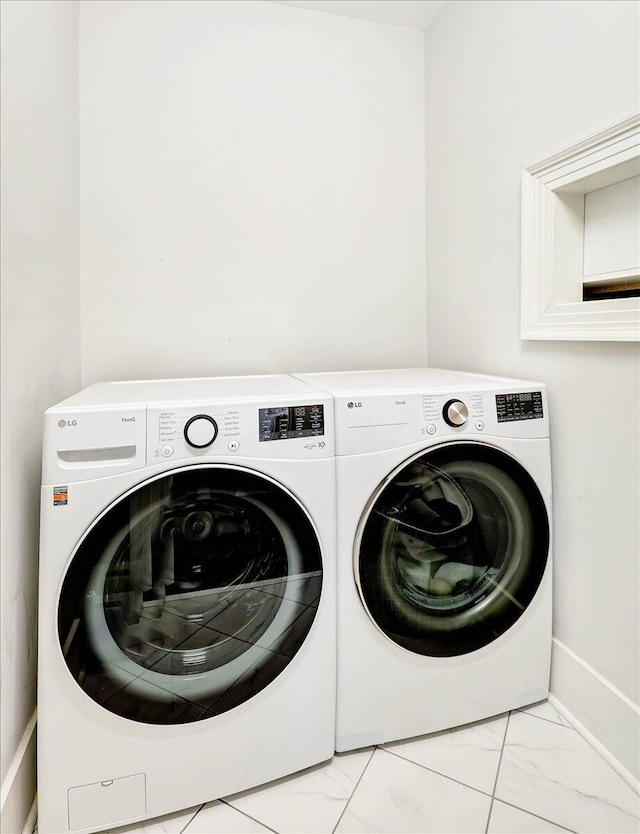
602	714
19	787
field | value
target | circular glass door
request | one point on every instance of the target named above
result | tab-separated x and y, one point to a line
452	550
190	595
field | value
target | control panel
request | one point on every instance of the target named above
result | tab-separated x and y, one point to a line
290	422
374	422
86	442
183	431
180	432
523	406
483	411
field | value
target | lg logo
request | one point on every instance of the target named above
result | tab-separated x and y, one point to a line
354	405
65	423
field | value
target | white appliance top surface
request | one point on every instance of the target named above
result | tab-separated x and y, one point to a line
419	380
205	389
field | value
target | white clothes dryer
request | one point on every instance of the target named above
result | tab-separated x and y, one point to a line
187	605
444	549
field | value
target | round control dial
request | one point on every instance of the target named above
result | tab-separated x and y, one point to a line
455	413
200	431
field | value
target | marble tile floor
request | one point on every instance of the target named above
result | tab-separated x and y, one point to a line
528	771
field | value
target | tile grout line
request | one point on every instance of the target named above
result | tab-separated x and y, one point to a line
182	830
510	804
435	772
537	816
248	816
495	784
548	720
355	788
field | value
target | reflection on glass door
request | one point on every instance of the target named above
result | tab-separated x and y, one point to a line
190	595
452	550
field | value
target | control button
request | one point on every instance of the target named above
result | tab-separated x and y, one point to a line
431	429
200	431
455	413
233	446
479	425
166	451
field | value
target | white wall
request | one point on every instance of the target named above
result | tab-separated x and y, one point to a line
508	84
252	181
40	330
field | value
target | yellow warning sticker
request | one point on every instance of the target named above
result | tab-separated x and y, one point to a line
60	496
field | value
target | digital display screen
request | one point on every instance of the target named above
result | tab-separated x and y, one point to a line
287	422
526	406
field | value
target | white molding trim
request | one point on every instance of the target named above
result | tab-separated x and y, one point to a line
601	713
19	787
551	234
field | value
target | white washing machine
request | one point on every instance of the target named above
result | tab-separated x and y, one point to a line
444	556
187	605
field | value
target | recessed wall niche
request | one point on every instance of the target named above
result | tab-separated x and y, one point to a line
581	240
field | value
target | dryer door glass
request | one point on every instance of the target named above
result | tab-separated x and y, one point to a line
453	550
190	595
